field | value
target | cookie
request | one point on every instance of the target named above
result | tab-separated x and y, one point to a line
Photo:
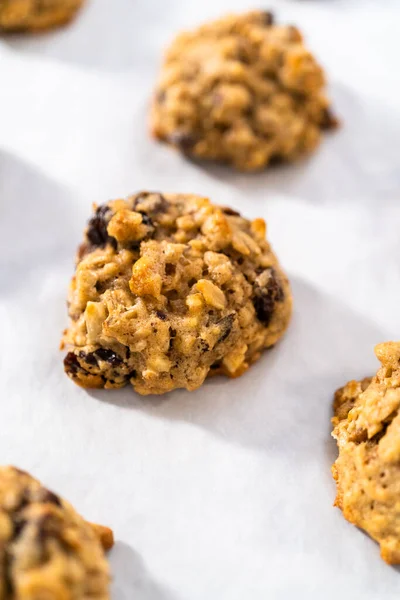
46	549
241	90
36	15
169	289
367	471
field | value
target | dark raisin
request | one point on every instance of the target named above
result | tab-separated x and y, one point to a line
276	160
23	500
47	527
267	17
50	497
204	347
279	293
134	246
160	204
97	228
225	324
138	198
151	203
229	211
222	127
242	55
90	358
265	298
109	356
71	363
299	97
18	523
146	220
184	140
328	120
161	315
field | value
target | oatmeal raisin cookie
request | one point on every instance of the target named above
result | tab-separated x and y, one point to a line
36	15
47	551
367	471
241	90
169	289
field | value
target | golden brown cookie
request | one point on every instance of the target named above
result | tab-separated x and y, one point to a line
367	471
169	289
36	15
241	90
47	551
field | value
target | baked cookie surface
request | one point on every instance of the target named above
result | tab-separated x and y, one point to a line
367	471
36	15
169	289
46	549
241	90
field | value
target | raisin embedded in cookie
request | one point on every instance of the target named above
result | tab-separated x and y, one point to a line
36	15
169	289
367	471
46	549
241	90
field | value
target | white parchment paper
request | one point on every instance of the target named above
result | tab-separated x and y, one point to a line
224	493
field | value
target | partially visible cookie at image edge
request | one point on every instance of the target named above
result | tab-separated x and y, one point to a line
47	550
367	472
170	289
242	90
36	15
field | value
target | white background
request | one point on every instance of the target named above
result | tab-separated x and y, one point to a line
224	493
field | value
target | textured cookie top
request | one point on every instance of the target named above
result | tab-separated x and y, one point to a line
47	551
242	90
167	287
31	15
367	429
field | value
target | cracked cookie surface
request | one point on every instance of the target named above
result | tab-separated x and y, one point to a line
36	15
367	471
47	550
241	90
169	289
